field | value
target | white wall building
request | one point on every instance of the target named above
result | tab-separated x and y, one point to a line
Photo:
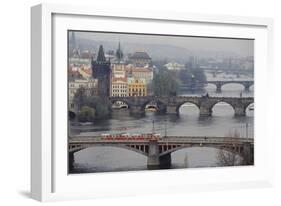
174	66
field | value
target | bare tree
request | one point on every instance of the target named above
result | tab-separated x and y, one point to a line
228	158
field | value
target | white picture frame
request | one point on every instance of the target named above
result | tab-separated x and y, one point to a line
49	178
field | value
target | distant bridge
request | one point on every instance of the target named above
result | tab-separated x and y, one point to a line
171	104
159	152
218	83
246	83
237	72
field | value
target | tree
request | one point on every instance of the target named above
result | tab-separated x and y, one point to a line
100	105
86	114
227	158
186	76
165	84
80	98
199	75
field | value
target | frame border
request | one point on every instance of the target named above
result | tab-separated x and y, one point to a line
42	89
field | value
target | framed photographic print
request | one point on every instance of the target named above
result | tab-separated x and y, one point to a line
137	103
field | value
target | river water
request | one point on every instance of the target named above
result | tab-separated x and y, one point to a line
188	122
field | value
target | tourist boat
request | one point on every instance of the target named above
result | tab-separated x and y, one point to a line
119	105
150	109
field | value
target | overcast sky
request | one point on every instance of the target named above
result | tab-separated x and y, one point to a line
242	47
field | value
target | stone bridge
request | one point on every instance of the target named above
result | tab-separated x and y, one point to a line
236	72
171	105
158	153
246	83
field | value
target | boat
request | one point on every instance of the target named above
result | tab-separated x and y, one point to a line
150	109
251	107
119	105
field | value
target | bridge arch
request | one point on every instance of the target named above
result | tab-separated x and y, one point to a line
249	108
124	101
224	86
140	150
222	101
219	84
234	150
159	105
190	102
251	88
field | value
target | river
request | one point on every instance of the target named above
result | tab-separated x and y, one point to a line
221	123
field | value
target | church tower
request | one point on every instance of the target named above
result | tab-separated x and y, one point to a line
119	54
101	72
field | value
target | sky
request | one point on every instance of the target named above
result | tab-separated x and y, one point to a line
241	47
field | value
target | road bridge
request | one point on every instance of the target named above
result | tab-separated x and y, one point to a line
158	152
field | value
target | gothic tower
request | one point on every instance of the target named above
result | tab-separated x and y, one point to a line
101	71
119	54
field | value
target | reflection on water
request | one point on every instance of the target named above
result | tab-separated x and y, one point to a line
188	122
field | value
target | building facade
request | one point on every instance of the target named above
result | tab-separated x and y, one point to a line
119	87
137	87
174	66
142	73
118	70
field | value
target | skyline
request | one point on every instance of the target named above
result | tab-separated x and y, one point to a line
184	45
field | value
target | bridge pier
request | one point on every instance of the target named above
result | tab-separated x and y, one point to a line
172	109
153	160
239	111
70	160
247	88
205	111
162	109
165	161
218	88
137	110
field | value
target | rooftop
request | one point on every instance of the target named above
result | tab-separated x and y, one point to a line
140	55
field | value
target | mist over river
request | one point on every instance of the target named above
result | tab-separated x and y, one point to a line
188	122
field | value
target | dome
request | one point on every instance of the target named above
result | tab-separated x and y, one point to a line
140	55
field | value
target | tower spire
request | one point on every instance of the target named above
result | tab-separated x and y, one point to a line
101	56
119	53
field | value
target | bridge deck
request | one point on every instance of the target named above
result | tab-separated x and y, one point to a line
164	140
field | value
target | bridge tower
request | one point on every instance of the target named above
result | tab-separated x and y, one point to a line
101	71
